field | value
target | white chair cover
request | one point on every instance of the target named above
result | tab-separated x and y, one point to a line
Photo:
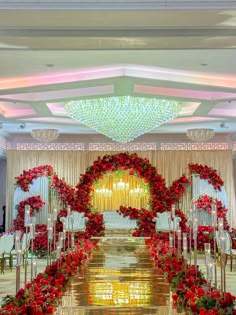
163	223
76	222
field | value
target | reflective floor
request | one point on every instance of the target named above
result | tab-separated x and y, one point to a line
120	279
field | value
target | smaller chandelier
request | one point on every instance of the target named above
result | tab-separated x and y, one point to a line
104	192
121	186
200	135
45	135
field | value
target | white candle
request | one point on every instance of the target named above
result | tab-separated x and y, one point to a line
222	244
32	227
214	215
54	214
27	215
18	257
171	241
50	233
58	250
35	267
49	225
68	211
17	240
185	242
210	272
173	211
221	225
207	248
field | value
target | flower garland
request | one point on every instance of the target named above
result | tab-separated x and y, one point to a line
35	203
64	191
208	173
42	295
190	290
26	178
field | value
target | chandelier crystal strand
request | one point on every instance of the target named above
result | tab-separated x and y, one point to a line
200	135
45	135
123	118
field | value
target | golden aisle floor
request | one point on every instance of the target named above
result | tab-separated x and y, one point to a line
120	279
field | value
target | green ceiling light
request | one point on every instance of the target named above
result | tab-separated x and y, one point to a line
123	118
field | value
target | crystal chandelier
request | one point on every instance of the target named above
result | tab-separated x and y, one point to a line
45	135
123	118
200	135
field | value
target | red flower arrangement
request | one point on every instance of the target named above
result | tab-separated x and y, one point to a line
205	203
178	188
144	217
27	177
41	240
35	203
208	173
94	225
194	299
65	192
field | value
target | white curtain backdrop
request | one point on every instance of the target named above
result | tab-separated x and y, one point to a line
170	164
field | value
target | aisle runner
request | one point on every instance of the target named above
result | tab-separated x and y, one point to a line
120	279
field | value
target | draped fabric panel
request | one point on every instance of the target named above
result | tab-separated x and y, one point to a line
170	164
118	197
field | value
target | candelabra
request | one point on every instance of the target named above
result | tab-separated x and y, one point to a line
179	237
32	237
190	224
18	258
27	225
195	232
54	229
59	245
172	223
208	263
72	233
222	245
49	240
214	224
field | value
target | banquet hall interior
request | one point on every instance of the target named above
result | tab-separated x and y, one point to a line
117	157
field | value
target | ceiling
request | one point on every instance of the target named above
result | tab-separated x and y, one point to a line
49	57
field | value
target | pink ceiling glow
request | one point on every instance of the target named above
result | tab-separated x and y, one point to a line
62	94
114	71
194	119
10	110
62	77
52	120
227	109
182	93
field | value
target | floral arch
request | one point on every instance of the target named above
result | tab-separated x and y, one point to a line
161	197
